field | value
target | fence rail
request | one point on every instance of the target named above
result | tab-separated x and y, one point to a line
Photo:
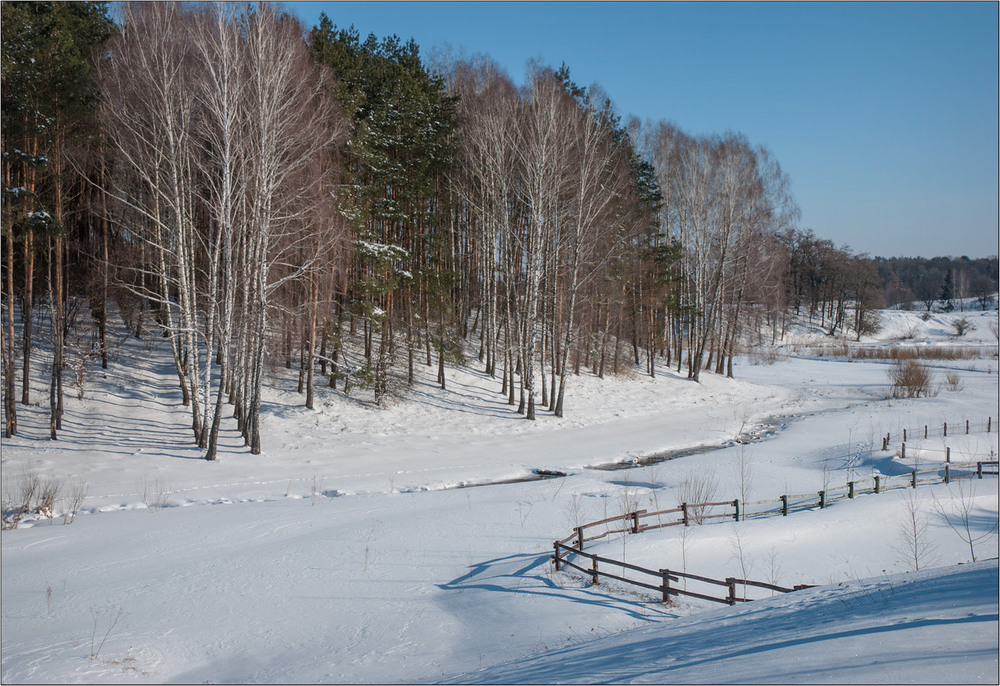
962	427
631	523
561	558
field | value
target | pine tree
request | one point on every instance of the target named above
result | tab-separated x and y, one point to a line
400	147
49	102
948	290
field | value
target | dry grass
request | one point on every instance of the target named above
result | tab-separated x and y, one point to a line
901	352
906	352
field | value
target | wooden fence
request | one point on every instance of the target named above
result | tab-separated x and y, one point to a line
963	427
664	580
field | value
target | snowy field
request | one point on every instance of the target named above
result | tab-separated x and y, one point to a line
397	544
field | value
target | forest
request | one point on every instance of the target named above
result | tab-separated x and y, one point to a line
263	195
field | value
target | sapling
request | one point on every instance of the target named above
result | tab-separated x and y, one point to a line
774	569
741	556
915	544
686	533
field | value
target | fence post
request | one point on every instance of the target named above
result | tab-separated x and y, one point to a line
902	451
732	590
925	431
966	426
822	499
635	522
904	435
947	474
784	506
913	479
665	574
579	537
684	511
946	428
593	574
989	421
736	505
876	485
850	490
947	454
979	470
556	558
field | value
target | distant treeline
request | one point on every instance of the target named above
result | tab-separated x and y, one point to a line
938	282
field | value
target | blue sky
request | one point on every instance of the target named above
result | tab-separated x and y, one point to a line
883	115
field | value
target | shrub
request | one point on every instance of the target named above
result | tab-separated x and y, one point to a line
28	494
909	379
954	382
962	326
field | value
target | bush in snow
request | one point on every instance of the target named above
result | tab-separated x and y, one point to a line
962	326
910	379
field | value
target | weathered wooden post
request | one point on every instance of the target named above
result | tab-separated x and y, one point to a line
947	454
904	434
822	499
945	428
579	537
593	573
736	506
635	522
684	513
966	426
925	431
784	506
850	490
556	558
902	451
989	422
876	484
979	470
913	479
947	473
731	582
665	587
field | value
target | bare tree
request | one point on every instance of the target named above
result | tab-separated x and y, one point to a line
218	114
149	116
915	544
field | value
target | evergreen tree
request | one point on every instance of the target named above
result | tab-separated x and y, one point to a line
948	290
48	102
400	146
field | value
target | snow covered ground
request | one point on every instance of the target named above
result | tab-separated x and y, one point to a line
350	552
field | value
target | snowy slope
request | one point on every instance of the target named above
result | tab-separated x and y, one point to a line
932	626
347	553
